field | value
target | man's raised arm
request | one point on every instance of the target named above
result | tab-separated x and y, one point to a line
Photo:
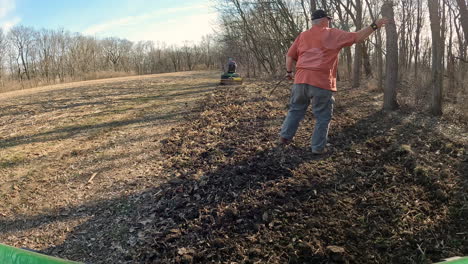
364	33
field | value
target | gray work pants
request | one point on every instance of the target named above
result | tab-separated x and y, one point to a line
322	106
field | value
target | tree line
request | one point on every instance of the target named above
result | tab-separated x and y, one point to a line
428	43
30	57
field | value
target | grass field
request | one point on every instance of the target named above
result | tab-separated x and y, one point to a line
54	139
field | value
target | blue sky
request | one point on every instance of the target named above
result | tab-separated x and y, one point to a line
169	21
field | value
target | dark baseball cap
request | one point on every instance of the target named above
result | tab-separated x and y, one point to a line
320	14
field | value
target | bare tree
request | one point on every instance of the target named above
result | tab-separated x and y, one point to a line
206	49
463	17
311	9
344	24
378	46
140	54
176	58
358	47
2	55
46	53
417	40
116	50
313	6
451	71
437	66
82	56
354	10
403	34
391	80
187	51
22	39
62	39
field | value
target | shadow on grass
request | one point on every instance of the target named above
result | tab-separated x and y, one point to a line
73	130
92	96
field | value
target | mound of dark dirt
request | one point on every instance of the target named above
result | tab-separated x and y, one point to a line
394	190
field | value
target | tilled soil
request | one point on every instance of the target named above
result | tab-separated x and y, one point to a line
393	189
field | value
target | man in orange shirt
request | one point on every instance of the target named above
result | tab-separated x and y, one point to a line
315	53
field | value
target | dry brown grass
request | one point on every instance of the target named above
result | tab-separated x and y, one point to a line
8	86
53	139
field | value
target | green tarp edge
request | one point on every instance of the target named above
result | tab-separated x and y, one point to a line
456	261
12	255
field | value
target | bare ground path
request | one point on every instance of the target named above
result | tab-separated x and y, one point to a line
214	187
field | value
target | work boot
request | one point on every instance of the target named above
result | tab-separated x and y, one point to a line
328	149
284	141
320	152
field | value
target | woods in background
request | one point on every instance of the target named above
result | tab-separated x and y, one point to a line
30	57
431	49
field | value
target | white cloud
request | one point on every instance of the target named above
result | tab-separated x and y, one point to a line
6	25
111	25
135	20
174	31
177	31
6	6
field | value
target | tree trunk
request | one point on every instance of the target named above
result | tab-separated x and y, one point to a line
347	50
366	59
379	61
324	5
416	51
402	49
410	39
443	34
358	48
25	64
464	17
451	70
306	16
378	49
313	6
349	62
391	76
436	102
